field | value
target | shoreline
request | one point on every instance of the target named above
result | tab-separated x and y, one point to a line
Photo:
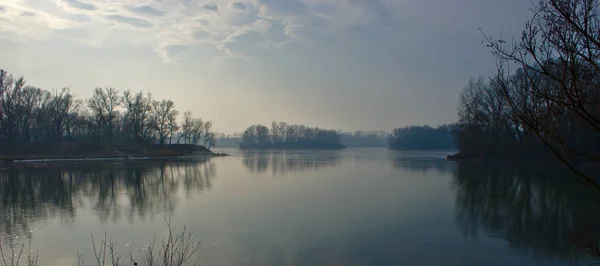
38	159
74	152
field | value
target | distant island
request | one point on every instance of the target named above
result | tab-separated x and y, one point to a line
439	138
284	136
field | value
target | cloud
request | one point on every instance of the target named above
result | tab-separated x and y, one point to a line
23	24
145	10
203	22
375	10
200	35
242	18
283	7
212	7
170	53
2	9
80	5
172	26
135	22
248	44
27	14
238	6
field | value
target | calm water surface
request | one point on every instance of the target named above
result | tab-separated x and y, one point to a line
353	207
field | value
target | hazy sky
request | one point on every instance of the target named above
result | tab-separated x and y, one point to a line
339	64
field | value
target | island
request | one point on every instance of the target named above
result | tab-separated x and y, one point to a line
41	124
438	138
284	136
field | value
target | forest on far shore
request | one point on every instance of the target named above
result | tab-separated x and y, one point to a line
282	135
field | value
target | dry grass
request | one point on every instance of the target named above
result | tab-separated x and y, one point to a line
15	258
582	241
177	248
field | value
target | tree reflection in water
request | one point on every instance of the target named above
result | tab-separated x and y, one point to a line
29	194
282	162
415	162
535	209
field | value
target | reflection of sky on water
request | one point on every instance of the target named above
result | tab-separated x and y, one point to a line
351	207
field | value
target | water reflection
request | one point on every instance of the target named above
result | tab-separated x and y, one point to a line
535	209
279	163
113	191
401	216
422	162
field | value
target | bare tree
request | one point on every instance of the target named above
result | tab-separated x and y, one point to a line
62	106
73	108
196	131
43	118
138	111
103	104
163	113
210	140
554	93
30	102
187	127
208	135
10	93
33	115
173	126
191	129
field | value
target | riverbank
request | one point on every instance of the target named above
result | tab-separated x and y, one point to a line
87	151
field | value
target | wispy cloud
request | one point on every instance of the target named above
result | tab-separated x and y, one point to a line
212	7
136	22
238	6
23	23
174	24
27	14
200	35
80	5
170	53
145	10
283	7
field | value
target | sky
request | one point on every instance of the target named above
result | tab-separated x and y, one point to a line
337	64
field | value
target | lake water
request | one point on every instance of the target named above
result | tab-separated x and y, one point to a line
363	206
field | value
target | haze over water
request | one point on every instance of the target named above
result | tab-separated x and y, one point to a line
359	206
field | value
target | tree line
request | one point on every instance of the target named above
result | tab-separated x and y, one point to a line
423	138
407	138
30	115
348	139
282	135
364	138
544	99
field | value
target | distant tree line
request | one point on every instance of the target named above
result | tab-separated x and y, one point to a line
282	135
364	139
228	140
544	99
30	115
348	139
423	138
